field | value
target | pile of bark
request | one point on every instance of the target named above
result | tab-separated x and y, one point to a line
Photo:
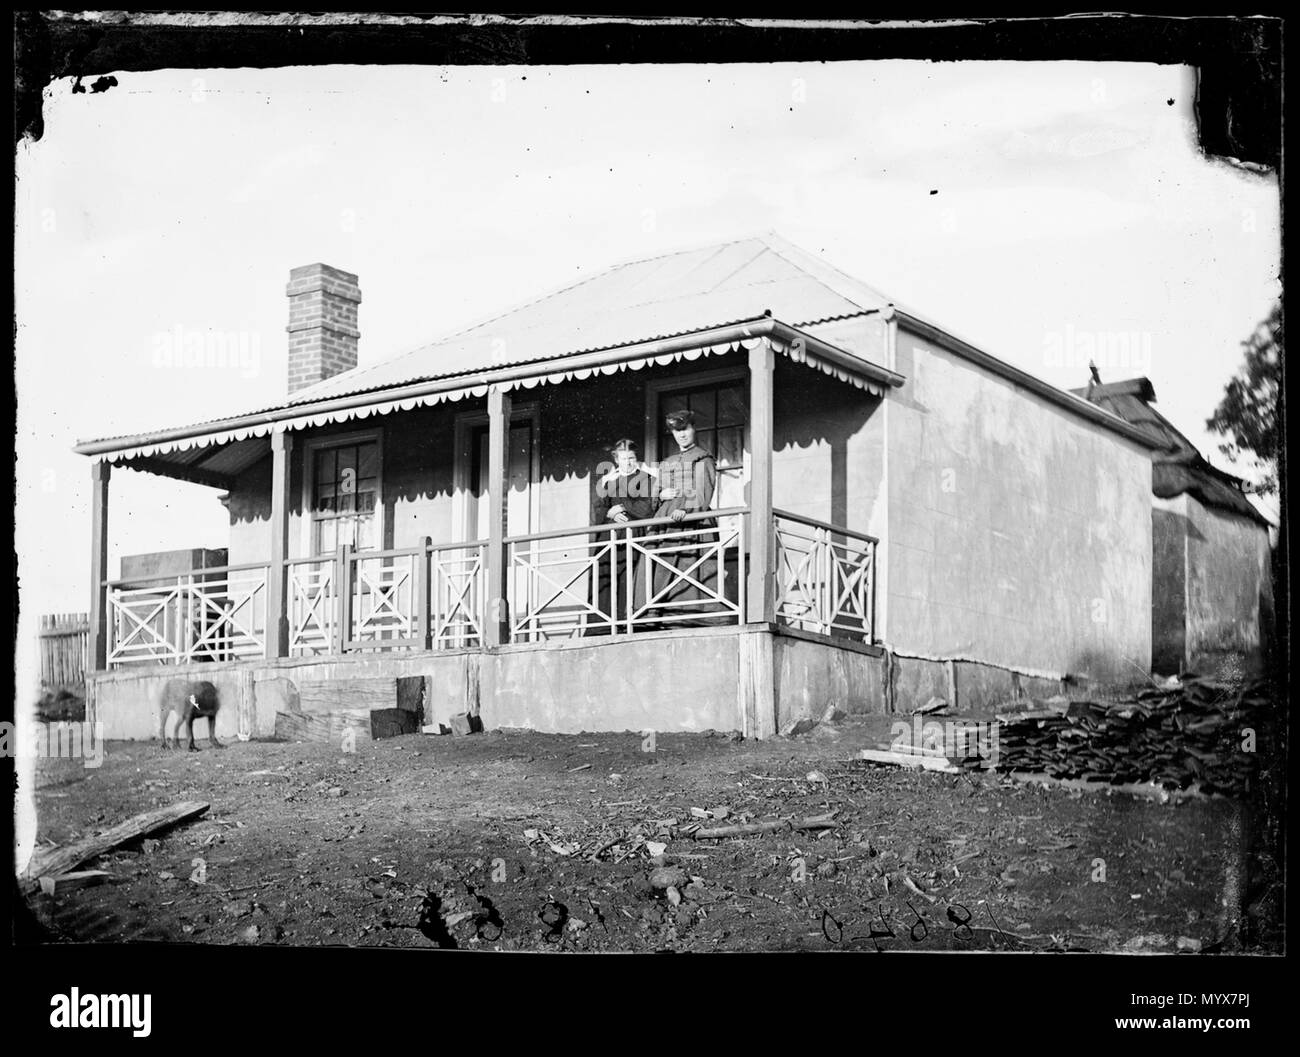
1188	732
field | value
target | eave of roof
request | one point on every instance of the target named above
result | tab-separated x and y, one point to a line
693	281
1192	475
758	327
1061	397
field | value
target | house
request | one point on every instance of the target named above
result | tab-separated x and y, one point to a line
1212	588
898	514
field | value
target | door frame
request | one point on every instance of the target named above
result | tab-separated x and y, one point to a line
463	461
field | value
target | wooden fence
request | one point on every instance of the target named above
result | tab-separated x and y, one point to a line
64	645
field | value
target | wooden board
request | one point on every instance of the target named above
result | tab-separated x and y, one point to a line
70	882
900	759
334	695
298	726
392	722
410	693
912	750
55	861
323	728
246	707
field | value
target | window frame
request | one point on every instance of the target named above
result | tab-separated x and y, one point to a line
311	448
656	388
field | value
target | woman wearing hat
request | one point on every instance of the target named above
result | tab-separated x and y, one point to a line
687	479
625	493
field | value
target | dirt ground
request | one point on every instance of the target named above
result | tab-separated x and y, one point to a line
514	840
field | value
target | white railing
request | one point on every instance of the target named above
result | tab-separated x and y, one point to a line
825	577
413	598
457	594
311	605
216	614
383	599
617	579
595	580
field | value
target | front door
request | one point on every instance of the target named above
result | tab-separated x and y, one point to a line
452	590
519	474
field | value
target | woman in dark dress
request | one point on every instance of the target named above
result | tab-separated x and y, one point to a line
687	479
625	493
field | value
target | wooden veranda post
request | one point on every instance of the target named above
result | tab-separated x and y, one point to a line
98	646
761	594
423	625
343	601
277	584
498	618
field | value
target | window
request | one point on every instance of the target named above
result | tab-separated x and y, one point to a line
720	400
343	494
719	420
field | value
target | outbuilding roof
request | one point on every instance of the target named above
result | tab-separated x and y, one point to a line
1177	467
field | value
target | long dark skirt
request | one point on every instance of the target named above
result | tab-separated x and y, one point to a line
611	590
683	582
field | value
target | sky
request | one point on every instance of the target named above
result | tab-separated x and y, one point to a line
1074	217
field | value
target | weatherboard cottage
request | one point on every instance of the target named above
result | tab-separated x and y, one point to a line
896	514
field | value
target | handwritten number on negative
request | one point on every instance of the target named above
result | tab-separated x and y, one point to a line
960	922
919	921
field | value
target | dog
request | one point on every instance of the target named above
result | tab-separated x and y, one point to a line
183	702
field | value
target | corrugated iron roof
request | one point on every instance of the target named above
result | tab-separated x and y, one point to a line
638	302
643	300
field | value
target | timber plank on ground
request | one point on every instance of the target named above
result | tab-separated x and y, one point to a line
52	862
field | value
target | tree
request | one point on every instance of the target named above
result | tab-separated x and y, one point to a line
1249	415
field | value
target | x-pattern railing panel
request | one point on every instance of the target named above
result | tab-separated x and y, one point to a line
562	585
850	586
680	562
798	578
383	598
311	606
139	624
456	603
227	618
825	577
201	615
535	568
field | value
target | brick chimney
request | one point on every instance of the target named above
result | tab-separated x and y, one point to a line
322	323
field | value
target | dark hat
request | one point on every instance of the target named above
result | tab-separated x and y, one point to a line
680	419
625	444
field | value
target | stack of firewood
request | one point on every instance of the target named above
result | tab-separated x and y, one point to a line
1188	732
